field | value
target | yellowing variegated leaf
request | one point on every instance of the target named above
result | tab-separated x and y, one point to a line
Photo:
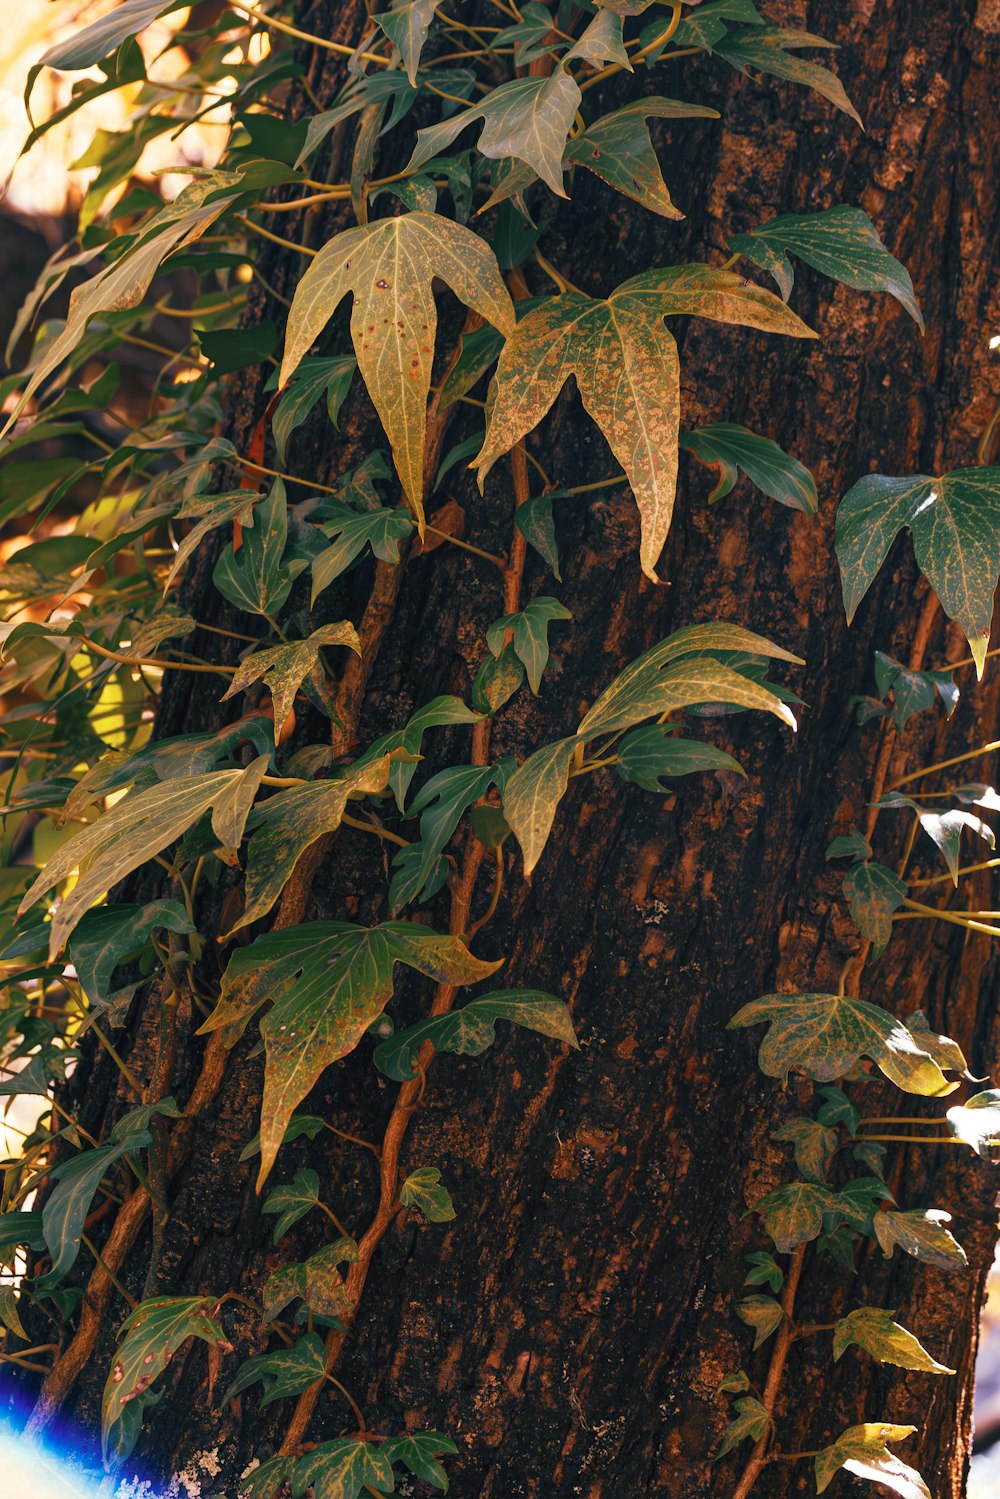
390	267
532	795
827	1034
862	1450
872	1328
922	1234
628	373
150	1338
283	668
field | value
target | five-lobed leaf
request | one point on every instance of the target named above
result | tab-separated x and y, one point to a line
955	524
342	1470
390	267
285	1372
825	1035
627	370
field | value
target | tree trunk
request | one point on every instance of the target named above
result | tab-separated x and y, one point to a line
570	1327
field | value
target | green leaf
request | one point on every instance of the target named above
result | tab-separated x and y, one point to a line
873	894
497	680
705	26
535	522
764	1271
407	27
314	379
977	1122
291	821
618	149
382	530
943	828
265	1481
342	1469
955	524
390	267
762	1313
299	1125
922	1234
646	755
912	691
125	837
601	41
470	1030
283	668
256	578
151	1336
293	1201
730	448
441	804
530	629
749	1424
330	982
18	1229
527	118
408	741
825	1035
111	934
841	242
813	1145
68	1204
532	795
10	1315
422	1189
862	1450
849	846
316	1281
766	50
287	1371
793	1214
873	1329
627	371
94	42
419	1451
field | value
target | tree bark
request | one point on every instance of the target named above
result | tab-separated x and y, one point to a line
569	1329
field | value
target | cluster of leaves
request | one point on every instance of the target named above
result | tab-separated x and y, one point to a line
89	639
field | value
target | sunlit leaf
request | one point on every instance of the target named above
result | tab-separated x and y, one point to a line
873	1329
922	1234
862	1450
977	1122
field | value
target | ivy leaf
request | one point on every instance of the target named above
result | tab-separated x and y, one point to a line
93	43
406	743
470	1030
422	1189
873	1329
793	1214
497	680
922	1234
265	1481
536	524
943	828
762	1313
955	524
776	473
419	1451
314	379
827	1034
68	1204
601	41
109	935
151	1335
646	755
292	820
294	1200
382	530
283	668
627	371
813	1145
977	1122
130	833
708	23
256	578
532	795
441	804
330	982
407	27
750	1423
527	118
21	1230
912	691
530	629
342	1469
390	267
874	893
316	1281
764	1271
287	1371
841	242
618	149
767	48
232	808
862	1450
299	1125
849	846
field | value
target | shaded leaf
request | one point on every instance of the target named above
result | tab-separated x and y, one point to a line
470	1030
827	1034
849	846
390	267
762	1313
955	524
316	1281
422	1189
532	795
530	629
67	1205
314	379
646	755
793	1214
285	1372
873	894
382	530
294	1200
419	1451
730	448
407	27
256	578
769	49
813	1145
342	1469
264	1482
150	1337
618	149
873	1329
764	1271
749	1424
283	668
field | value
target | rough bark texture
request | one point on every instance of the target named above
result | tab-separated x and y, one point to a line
570	1327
